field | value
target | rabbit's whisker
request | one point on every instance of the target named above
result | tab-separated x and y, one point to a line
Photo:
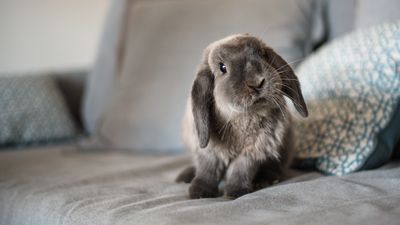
225	126
279	106
294	102
288	79
290	88
290	63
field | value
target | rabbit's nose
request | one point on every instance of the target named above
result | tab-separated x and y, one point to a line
256	85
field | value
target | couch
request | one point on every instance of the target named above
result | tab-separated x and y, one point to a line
101	178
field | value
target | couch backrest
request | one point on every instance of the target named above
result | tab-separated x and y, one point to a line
129	22
343	16
151	49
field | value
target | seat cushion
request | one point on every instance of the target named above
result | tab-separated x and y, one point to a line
69	185
142	104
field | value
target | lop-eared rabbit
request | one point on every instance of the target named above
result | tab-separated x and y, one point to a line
237	124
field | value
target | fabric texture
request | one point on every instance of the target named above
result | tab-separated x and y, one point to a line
32	110
161	49
67	186
352	88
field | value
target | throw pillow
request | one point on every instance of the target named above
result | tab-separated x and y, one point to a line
352	88
32	110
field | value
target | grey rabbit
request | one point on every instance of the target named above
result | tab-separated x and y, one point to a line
237	124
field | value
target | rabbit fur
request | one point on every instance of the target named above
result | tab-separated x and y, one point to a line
237	124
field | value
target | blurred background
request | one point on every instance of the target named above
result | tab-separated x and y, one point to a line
41	35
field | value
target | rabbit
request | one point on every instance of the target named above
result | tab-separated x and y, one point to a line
237	124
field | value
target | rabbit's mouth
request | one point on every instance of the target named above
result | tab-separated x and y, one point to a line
244	106
241	101
250	103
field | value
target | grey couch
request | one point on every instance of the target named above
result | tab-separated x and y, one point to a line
93	182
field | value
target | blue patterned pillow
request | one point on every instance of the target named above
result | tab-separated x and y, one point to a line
352	88
32	111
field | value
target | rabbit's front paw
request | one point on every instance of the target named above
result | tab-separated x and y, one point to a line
201	189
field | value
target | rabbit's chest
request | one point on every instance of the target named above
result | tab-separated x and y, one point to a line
257	137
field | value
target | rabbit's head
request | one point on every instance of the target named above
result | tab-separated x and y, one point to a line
241	74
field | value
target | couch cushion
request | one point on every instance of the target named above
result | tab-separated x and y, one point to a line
352	88
33	110
161	49
64	185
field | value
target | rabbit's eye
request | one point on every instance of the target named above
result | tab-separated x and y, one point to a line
222	67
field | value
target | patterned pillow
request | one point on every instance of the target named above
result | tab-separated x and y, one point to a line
32	110
352	87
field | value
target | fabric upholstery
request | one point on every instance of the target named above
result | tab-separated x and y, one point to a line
67	186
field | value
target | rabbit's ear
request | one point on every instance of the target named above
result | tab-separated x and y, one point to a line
291	85
202	103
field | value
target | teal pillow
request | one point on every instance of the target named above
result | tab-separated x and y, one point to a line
352	89
32	110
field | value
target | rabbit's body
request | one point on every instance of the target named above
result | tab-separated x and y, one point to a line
259	135
236	123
